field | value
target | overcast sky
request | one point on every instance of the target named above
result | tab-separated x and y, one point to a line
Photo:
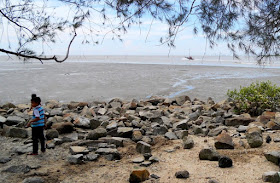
143	40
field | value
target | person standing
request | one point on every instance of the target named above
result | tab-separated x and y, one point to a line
37	124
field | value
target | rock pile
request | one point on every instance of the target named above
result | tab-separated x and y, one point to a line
98	128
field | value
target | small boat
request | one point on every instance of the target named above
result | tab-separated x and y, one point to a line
189	58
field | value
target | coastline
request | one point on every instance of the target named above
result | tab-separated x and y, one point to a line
86	81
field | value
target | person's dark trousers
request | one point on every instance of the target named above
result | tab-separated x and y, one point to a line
38	133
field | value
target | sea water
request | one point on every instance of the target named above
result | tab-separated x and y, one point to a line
87	78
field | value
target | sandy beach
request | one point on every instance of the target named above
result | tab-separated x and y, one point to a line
90	81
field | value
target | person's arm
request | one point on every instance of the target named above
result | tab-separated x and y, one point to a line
32	121
37	117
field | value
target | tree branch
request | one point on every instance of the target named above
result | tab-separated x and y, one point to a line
41	58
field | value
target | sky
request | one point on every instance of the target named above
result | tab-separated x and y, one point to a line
139	40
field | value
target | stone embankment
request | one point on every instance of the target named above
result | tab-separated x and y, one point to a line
88	131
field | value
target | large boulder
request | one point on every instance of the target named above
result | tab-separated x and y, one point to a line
16	132
14	120
224	141
65	127
254	137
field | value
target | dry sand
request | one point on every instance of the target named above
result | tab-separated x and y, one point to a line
248	164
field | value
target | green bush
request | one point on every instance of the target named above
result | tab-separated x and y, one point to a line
256	98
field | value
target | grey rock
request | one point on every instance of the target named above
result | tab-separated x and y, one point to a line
242	128
78	150
66	127
104	151
112	125
18	169
118	141
181	133
254	137
160	130
125	132
170	136
182	99
154	176
58	141
16	132
150	114
143	147
273	156
33	180
14	120
146	163
82	122
182	174
70	137
216	131
138	159
96	133
153	159
50	145
96	121
209	154
110	153
56	112
276	140
271	176
183	125
75	159
147	156
188	143
91	157
4	160
225	162
51	134
213	181
193	116
3	119
22	149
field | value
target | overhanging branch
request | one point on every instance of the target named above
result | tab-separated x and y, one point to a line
41	58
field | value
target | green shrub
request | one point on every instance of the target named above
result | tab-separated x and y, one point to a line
256	98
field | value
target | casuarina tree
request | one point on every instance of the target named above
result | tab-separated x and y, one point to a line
252	26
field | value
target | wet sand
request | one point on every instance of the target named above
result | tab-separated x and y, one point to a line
85	81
